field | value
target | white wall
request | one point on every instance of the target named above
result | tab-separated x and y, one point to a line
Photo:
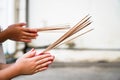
106	17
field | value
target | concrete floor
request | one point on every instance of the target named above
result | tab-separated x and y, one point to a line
89	72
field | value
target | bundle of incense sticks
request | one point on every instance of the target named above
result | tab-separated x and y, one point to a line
79	26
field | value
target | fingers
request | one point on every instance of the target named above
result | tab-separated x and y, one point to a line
42	54
40	57
25	29
27	37
28	34
45	62
41	69
25	40
40	62
18	33
30	54
43	65
47	59
30	30
20	24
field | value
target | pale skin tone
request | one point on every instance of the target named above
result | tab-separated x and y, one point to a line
29	63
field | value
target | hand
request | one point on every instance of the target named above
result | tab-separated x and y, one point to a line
30	64
18	33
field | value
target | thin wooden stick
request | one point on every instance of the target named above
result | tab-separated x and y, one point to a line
51	28
81	27
75	37
78	25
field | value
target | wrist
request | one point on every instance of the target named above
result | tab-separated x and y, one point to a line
4	36
17	68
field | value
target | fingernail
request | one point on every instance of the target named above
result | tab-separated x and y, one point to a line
32	49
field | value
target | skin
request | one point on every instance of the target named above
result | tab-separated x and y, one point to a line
17	32
29	63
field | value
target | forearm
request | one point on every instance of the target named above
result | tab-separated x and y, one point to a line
3	66
9	73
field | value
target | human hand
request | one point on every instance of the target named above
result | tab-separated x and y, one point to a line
18	33
29	63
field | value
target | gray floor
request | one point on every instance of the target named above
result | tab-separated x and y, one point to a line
95	72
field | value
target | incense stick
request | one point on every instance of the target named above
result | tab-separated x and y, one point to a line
51	28
75	37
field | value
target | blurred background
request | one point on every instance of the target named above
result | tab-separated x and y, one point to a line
93	56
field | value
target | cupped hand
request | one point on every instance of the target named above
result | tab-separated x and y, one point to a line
30	64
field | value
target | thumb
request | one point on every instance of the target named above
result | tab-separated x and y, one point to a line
30	54
19	24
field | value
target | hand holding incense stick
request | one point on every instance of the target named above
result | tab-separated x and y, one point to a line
79	26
